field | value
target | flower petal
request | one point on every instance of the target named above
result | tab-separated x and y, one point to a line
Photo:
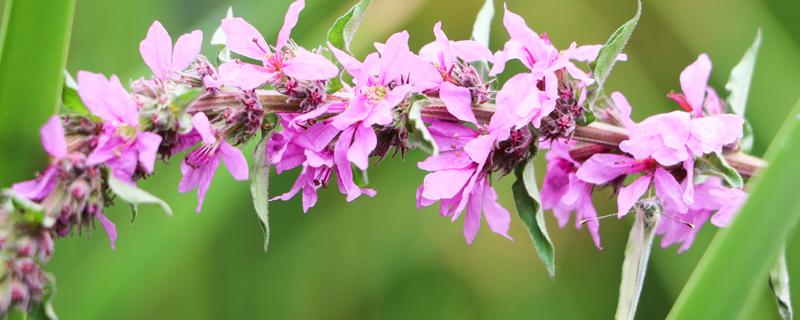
53	141
458	101
364	141
668	190
147	144
496	216
310	66
234	160
111	229
629	195
186	49
445	184
244	39
289	22
203	127
694	80
156	50
604	167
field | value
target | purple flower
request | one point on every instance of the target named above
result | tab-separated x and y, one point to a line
200	165
164	60
605	167
455	79
236	74
564	193
711	198
55	178
288	60
310	149
457	179
122	146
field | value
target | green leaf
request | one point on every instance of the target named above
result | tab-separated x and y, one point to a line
183	100
481	31
716	165
70	99
360	177
740	256
637	253
219	39
35	40
419	136
747	140
259	186
344	29
17	314
133	195
607	56
526	198
741	76
779	283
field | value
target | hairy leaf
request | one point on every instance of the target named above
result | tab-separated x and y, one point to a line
716	165
526	198
182	101
607	56
637	253
741	76
344	29
133	195
779	283
259	186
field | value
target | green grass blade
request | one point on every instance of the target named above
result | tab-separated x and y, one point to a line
34	54
779	283
739	257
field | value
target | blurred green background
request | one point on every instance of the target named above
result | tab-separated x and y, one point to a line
381	258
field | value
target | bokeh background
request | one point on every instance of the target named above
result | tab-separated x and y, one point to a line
382	258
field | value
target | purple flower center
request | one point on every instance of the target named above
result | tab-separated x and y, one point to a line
202	155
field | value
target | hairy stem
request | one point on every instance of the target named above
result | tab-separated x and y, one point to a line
598	133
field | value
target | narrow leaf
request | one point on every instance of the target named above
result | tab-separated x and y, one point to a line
133	195
483	23
259	186
741	76
637	253
182	101
219	39
779	283
35	36
715	164
481	31
344	29
419	136
747	140
607	56
526	198
740	256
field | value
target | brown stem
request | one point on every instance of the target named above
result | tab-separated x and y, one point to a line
598	133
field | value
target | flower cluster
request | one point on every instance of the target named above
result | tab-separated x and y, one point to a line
291	95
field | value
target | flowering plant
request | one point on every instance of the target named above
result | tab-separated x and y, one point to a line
326	113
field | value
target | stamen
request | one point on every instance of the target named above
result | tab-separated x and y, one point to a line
597	218
690	225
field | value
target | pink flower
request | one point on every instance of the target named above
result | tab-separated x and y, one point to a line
54	142
454	82
236	74
200	165
711	198
123	146
605	167
164	60
294	62
457	179
564	193
311	150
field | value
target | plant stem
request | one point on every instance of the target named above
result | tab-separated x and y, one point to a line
597	133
